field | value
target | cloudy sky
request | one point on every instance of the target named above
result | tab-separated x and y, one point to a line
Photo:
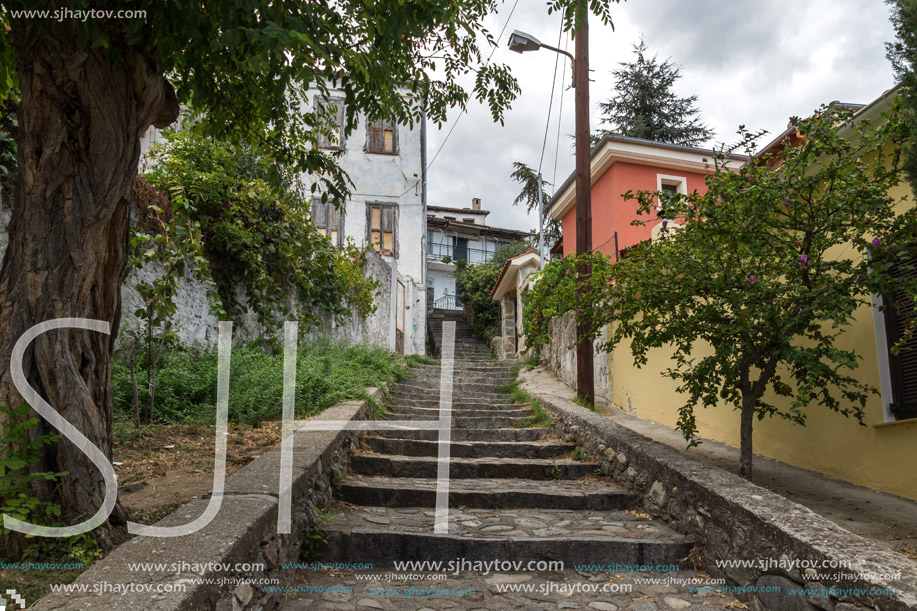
751	63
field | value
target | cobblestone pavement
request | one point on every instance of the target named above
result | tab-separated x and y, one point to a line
365	590
517	496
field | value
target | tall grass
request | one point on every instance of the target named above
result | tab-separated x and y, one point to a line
326	372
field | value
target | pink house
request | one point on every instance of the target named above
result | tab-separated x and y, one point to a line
620	164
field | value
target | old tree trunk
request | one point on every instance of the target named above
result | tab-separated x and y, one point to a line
80	121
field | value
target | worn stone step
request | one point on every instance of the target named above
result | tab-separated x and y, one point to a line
578	494
502	468
468	409
419	398
467	422
488	367
466	386
382	535
469	449
507	434
511	411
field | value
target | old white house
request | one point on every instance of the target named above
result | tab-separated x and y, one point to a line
460	233
385	210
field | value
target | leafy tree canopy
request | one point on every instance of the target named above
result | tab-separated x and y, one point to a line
645	105
256	235
902	53
765	271
474	284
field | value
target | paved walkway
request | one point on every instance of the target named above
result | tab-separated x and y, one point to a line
530	525
888	520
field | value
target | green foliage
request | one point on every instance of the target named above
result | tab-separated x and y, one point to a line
766	270
326	373
412	360
646	106
556	291
539	418
528	178
903	55
474	283
255	231
17	468
316	536
577	453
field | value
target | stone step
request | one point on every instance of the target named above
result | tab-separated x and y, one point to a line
467	422
382	535
409	397
488	367
469	449
495	435
578	494
464	468
423	405
458	386
512	411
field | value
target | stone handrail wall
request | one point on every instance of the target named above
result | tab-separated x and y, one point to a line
243	534
731	518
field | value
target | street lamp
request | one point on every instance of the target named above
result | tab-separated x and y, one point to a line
521	42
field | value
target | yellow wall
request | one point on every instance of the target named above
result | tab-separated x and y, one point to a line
878	455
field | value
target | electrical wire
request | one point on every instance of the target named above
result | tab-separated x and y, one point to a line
547	124
560	114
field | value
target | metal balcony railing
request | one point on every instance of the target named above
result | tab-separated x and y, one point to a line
448	302
474	256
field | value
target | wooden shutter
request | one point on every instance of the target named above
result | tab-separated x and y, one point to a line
903	366
320	216
375	139
334	224
388	230
375	227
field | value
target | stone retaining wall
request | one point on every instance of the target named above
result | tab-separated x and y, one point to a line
243	532
732	519
560	356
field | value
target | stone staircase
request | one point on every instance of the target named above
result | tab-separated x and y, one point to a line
467	346
514	493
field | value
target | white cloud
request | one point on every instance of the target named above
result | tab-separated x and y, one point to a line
751	63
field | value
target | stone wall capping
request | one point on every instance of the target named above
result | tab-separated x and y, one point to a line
731	518
244	531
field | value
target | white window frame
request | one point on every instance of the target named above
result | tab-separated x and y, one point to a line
680	183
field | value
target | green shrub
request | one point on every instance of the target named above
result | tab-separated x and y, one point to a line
474	283
326	372
16	474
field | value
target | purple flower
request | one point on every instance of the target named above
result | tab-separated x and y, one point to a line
579	310
664	223
803	259
876	241
752	278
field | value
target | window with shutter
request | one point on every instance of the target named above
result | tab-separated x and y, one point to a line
382	138
335	139
902	366
328	220
382	219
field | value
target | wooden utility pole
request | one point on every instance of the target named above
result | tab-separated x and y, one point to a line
585	386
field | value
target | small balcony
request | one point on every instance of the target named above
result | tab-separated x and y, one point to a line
450	253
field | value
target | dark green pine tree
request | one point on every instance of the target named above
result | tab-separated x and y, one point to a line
645	106
903	55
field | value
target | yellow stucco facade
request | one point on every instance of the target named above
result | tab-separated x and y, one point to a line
878	454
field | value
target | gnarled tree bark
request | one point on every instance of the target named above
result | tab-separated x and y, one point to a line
81	118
